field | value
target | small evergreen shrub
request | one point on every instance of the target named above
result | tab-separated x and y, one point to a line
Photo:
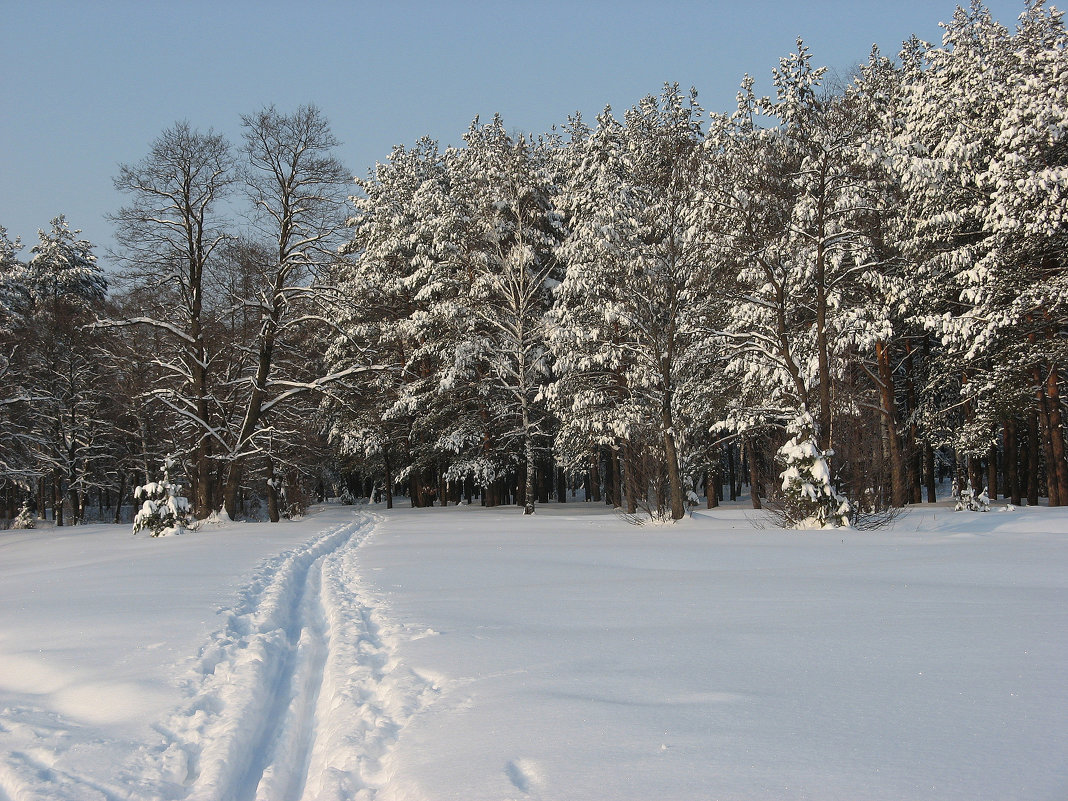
25	518
808	498
164	511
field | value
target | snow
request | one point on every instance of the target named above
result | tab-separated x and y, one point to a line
470	653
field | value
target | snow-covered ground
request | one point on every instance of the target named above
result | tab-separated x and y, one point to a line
477	654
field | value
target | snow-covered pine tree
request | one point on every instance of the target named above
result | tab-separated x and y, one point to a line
809	498
25	518
637	281
394	302
15	462
67	364
508	254
795	244
980	156
164	510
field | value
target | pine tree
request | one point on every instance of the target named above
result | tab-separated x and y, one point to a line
164	511
809	499
637	280
509	256
67	363
981	161
390	289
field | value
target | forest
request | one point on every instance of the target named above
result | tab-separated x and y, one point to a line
831	299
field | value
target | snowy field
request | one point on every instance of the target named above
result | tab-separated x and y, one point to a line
475	654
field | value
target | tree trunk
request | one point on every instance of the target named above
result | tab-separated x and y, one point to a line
272	492
754	493
630	475
992	471
889	410
1012	459
975	473
231	487
595	477
528	448
671	454
1032	458
822	344
57	499
75	504
611	479
732	477
561	486
913	456
1059	471
1046	428
203	492
120	497
929	472
712	483
388	469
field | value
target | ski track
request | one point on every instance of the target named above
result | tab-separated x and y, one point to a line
298	697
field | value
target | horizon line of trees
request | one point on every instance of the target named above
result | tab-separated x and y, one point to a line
650	306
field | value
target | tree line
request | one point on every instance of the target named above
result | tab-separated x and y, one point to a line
659	306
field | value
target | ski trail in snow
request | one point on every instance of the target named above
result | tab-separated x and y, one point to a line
298	696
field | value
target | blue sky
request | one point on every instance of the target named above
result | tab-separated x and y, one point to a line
88	85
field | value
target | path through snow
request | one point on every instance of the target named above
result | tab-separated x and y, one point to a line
297	696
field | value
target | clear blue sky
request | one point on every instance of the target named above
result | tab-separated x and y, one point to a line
88	85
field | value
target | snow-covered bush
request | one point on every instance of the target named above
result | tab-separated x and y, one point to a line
808	498
164	510
24	519
968	501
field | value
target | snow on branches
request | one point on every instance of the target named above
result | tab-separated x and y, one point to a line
809	498
163	510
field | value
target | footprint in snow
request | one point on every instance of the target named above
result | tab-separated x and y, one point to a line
524	775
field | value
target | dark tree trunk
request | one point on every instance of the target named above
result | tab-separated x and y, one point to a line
630	475
913	456
388	470
732	477
677	501
1032	458
975	473
273	512
561	485
992	471
929	472
1012	461
611	482
754	492
889	414
1046	428
57	499
1059	470
595	477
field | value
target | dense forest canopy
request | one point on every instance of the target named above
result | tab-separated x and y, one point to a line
835	295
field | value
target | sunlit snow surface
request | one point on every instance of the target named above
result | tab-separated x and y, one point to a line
473	654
